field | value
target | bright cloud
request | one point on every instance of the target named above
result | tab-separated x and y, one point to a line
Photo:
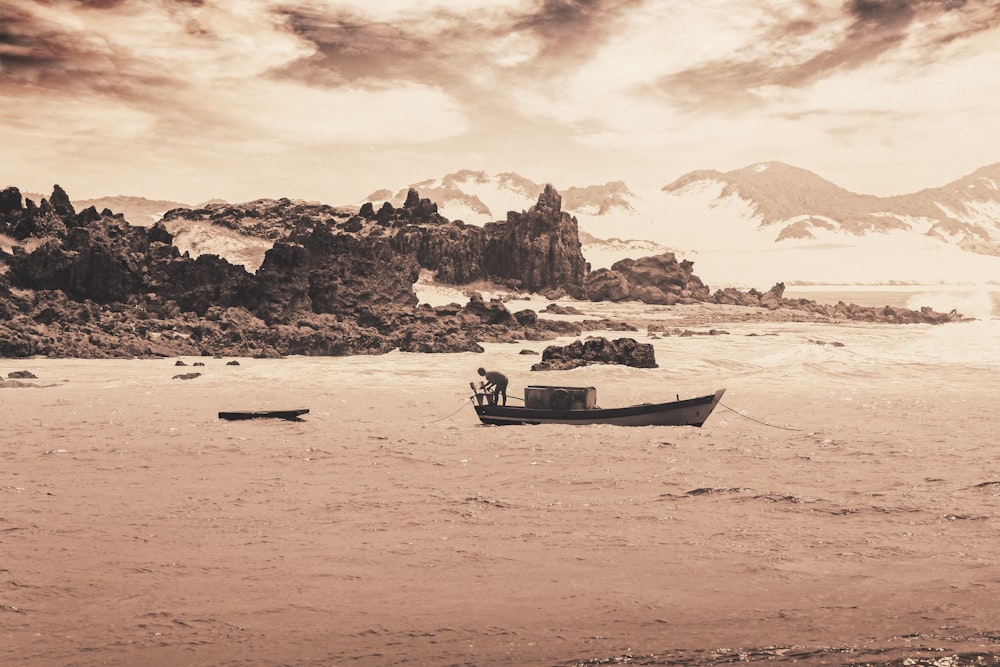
307	115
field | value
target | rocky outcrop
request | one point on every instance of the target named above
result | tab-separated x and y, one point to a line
774	300
89	284
95	286
537	250
48	323
625	351
660	279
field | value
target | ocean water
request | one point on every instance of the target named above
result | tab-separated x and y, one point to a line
840	506
979	302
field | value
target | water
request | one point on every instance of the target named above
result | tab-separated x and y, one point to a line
977	302
841	506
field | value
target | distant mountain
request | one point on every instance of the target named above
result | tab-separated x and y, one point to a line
794	204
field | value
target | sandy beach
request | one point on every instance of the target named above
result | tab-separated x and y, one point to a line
841	507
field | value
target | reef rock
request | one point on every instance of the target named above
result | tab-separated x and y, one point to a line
659	279
625	351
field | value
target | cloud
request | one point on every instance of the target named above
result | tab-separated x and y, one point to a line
572	28
827	41
559	84
299	114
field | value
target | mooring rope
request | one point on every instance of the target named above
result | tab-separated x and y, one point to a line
452	414
783	428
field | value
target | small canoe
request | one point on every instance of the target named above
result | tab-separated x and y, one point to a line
577	405
264	414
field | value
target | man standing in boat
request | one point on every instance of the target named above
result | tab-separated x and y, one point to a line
496	384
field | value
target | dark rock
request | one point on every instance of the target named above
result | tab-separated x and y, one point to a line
22	375
538	249
526	317
187	376
10	202
675	331
607	285
556	309
626	351
493	312
659	279
61	204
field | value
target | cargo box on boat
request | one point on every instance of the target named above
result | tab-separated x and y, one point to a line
560	398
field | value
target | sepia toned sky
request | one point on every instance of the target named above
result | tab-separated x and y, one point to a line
329	100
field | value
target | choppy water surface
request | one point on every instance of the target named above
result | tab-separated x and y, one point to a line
841	507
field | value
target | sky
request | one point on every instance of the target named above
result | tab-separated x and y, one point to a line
331	100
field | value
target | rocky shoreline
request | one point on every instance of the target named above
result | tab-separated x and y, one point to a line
335	282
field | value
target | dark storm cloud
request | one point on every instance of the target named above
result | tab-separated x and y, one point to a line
350	48
446	47
29	49
38	53
437	46
572	27
876	28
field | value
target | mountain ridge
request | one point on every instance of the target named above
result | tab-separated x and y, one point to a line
802	205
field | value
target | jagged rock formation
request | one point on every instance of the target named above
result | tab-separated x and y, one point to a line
538	249
660	279
625	351
94	285
89	284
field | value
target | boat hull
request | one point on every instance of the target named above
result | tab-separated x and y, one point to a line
687	412
263	414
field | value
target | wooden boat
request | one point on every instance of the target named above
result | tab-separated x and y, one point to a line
578	405
264	414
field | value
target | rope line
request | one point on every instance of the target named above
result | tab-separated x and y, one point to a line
783	428
452	414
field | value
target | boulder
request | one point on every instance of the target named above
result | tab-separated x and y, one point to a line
625	351
659	279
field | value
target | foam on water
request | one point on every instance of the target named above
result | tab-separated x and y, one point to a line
977	303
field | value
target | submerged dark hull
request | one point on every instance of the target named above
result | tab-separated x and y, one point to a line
688	412
263	414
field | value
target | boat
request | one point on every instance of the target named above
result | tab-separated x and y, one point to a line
544	404
264	414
